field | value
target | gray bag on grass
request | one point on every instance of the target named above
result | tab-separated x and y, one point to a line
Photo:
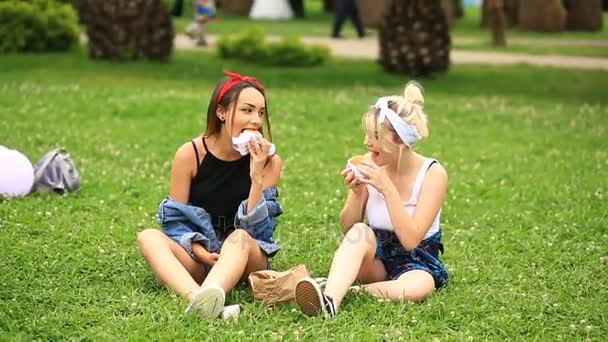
56	172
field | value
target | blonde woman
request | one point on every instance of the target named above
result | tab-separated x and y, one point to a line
400	193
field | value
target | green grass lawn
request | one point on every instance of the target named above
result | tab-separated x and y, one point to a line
524	223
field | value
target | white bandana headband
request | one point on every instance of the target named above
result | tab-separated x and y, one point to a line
408	133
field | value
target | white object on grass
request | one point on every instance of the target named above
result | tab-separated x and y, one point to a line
16	173
231	312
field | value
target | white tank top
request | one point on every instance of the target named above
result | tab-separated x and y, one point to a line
377	211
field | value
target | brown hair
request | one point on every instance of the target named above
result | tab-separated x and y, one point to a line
214	124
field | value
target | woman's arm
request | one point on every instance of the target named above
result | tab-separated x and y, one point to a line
272	172
259	218
270	177
356	199
263	172
182	171
352	212
411	230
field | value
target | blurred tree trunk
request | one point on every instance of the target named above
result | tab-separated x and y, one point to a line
485	18
584	15
127	29
510	10
329	6
298	8
450	7
83	14
177	9
415	38
497	22
372	12
459	9
237	7
542	15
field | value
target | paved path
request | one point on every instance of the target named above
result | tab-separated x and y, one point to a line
536	41
368	49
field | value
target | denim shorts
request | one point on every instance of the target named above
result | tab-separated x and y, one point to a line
397	260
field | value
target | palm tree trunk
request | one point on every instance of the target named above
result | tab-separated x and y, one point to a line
497	20
415	38
127	29
510	9
542	15
584	15
450	7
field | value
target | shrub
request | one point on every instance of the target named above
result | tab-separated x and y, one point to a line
251	46
292	52
37	26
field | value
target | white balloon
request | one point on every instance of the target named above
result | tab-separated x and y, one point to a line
16	173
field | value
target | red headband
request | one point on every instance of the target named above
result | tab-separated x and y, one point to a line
235	79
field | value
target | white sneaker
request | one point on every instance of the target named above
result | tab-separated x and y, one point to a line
312	301
208	302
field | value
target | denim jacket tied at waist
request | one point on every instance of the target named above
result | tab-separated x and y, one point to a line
186	224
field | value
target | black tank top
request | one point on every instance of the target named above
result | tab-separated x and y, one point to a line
219	187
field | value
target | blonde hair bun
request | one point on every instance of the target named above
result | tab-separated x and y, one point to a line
414	98
413	93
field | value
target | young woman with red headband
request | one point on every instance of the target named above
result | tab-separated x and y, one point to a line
219	219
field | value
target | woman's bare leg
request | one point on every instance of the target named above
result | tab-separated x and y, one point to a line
170	263
240	256
355	258
414	286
